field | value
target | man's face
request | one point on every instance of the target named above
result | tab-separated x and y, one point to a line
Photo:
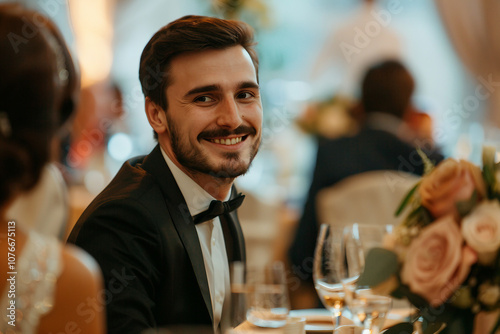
214	113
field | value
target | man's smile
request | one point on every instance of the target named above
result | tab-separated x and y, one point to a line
228	141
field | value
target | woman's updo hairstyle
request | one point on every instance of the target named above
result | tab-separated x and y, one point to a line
31	77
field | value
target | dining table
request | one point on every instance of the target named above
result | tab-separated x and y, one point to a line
318	321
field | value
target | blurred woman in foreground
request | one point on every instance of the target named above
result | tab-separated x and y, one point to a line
44	286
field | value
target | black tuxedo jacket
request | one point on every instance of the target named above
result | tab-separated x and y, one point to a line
141	233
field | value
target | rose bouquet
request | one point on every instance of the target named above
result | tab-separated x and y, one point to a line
444	257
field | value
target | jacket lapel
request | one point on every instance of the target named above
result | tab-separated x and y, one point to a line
181	218
233	236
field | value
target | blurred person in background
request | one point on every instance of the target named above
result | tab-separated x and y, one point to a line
362	39
154	223
384	142
45	286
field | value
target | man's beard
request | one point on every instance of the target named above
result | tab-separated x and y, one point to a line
197	160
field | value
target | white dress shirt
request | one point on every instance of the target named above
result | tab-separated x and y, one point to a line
211	241
389	123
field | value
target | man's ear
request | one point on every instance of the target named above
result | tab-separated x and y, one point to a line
156	116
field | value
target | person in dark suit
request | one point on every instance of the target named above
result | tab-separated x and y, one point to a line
383	143
165	260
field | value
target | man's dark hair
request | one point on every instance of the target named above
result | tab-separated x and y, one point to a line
187	34
387	87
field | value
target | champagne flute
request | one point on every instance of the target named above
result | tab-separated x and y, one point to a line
329	270
367	308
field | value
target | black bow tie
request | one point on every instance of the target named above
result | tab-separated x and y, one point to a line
218	208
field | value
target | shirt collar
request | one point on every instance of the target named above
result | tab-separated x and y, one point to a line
388	123
197	198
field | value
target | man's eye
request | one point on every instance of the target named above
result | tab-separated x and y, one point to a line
245	95
204	99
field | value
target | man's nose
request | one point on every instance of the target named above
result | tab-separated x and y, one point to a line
229	114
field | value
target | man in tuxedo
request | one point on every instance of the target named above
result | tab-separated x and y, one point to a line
383	143
165	259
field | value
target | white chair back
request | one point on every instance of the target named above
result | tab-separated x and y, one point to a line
368	198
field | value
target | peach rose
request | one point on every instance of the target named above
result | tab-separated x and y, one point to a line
450	182
481	231
436	262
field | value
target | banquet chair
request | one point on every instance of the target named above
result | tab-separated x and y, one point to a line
368	198
259	221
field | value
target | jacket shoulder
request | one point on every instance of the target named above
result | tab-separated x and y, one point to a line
133	192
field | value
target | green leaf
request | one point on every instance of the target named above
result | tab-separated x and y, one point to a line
434	318
488	156
398	293
489	179
408	198
416	300
460	322
401	328
462	298
425	217
489	169
465	207
380	265
420	216
428	164
497	268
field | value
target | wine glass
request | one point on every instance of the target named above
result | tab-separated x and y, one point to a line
367	308
239	293
329	270
268	304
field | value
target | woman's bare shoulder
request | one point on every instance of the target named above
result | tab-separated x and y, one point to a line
79	304
80	264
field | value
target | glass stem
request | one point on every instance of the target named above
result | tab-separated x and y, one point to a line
337	321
